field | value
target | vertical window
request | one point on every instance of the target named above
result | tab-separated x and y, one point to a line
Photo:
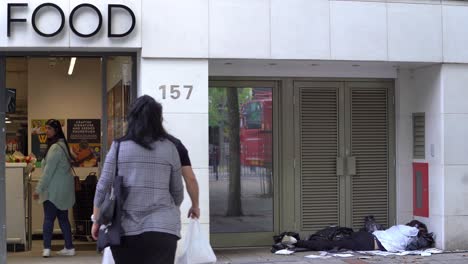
241	174
419	136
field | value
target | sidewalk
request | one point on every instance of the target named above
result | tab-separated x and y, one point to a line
263	255
86	255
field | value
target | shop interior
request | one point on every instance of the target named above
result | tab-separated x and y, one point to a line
90	100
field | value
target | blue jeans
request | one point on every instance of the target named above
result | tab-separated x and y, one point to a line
50	213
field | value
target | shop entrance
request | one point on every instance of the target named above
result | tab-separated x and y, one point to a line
89	94
345	153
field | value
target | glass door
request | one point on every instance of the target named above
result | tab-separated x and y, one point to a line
242	168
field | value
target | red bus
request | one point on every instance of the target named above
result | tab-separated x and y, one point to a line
256	129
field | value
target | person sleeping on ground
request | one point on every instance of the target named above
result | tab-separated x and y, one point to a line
412	236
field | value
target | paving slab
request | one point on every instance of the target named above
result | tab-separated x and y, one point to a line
86	255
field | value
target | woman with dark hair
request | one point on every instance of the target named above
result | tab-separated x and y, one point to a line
56	188
152	188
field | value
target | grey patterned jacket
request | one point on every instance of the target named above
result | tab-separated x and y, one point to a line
152	187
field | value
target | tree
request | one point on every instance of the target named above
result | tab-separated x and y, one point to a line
234	196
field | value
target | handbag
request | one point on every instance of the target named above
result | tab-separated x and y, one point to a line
110	212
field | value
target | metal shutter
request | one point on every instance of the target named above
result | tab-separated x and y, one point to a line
370	147
318	151
419	136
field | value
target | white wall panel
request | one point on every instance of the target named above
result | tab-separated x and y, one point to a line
300	29
86	21
455	35
405	188
455	79
414	32
175	28
456	145
158	72
358	30
456	190
187	119
421	90
192	130
404	143
455	237
437	198
48	21
239	28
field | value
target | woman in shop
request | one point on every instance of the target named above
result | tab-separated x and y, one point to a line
56	188
150	164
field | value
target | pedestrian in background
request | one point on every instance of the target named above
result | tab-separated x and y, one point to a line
56	188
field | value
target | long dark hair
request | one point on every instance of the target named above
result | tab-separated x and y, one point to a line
145	122
55	124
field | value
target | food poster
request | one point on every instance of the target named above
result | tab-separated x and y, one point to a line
39	137
84	139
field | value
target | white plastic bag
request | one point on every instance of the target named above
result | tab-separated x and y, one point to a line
197	248
107	257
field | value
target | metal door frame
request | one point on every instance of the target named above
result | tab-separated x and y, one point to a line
3	253
255	238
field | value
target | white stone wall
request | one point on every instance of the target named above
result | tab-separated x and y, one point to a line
420	90
411	31
455	159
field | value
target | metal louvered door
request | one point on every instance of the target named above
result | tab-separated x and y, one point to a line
320	136
344	152
368	151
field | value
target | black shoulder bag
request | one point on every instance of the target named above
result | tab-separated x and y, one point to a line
110	212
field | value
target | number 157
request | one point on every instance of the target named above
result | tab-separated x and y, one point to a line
175	92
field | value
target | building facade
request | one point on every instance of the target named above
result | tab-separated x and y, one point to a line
361	98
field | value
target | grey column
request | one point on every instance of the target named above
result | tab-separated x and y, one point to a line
2	162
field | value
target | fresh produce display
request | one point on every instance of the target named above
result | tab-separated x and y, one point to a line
19	157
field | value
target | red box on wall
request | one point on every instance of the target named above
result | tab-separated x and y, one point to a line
421	189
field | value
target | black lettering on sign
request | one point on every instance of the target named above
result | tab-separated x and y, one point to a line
73	15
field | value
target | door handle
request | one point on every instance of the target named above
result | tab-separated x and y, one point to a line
351	165
339	166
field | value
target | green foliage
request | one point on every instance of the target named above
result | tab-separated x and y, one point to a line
217	103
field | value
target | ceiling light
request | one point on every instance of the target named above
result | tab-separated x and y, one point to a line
72	65
356	65
228	63
6	118
8	122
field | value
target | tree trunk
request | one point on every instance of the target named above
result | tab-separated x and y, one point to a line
234	199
